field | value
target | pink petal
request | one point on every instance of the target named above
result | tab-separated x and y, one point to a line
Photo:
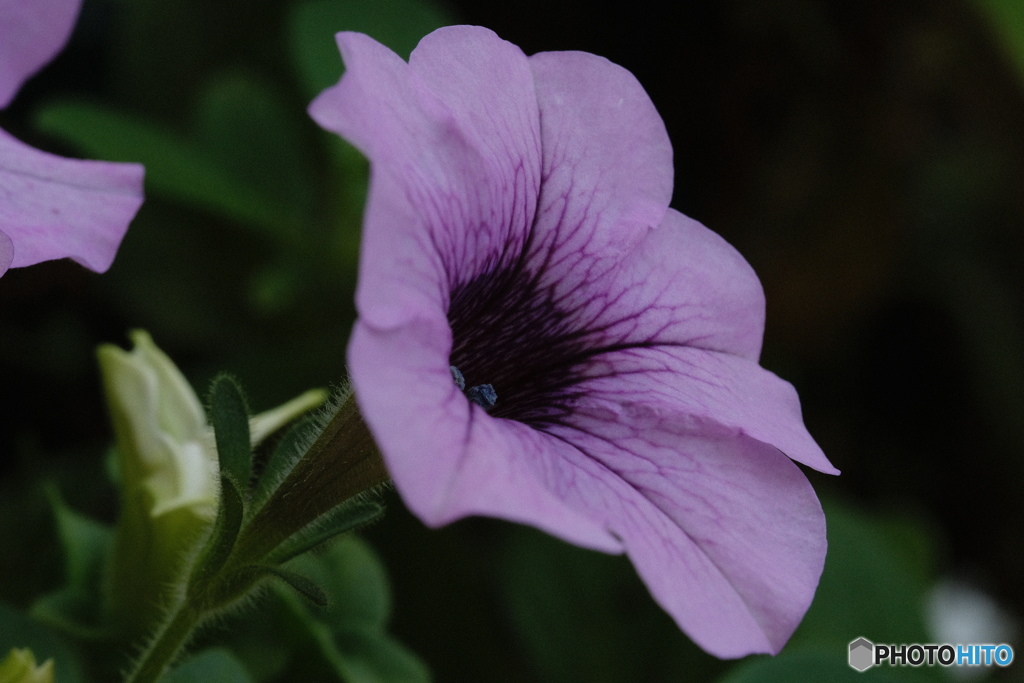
32	32
454	142
448	458
51	207
707	387
682	285
725	531
607	175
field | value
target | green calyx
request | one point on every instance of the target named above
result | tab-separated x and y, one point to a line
167	463
308	490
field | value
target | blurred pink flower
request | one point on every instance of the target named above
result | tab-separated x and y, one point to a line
518	238
52	207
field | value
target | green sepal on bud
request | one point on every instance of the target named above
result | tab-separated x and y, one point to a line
20	667
303	585
230	418
340	520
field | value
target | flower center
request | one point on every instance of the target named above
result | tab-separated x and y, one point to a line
509	331
483	395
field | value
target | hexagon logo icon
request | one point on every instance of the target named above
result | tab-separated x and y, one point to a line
862	654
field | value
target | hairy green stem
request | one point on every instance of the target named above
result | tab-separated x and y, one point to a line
168	643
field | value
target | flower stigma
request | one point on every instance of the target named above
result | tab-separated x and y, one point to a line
483	395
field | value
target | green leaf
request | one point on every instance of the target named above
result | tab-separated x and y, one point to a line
574	609
230	419
367	657
349	633
71	611
870	587
86	544
222	539
17	630
359	655
551	590
76	607
341	519
213	665
269	646
356	580
306	587
175	166
353	656
245	159
399	24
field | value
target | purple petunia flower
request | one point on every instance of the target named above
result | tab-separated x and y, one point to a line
52	207
541	339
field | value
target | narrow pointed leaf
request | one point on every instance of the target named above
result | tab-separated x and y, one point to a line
305	586
338	521
225	531
177	166
230	420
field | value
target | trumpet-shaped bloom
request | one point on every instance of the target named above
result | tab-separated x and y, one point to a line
52	207
541	339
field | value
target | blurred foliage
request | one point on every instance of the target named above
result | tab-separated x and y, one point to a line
867	158
1007	20
44	643
214	664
